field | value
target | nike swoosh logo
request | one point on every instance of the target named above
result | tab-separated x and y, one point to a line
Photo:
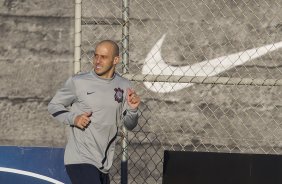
155	65
89	93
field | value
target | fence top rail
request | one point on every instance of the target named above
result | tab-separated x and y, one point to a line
203	80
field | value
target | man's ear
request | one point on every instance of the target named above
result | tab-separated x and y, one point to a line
116	60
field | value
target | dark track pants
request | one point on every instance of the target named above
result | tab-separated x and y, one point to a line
86	174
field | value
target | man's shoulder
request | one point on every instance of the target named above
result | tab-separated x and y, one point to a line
122	79
81	75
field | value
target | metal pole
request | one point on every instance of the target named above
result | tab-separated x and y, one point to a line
77	37
125	61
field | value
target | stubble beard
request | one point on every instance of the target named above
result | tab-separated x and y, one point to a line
103	71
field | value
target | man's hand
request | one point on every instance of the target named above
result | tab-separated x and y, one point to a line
82	121
133	99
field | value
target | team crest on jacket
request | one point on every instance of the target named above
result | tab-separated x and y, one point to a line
118	95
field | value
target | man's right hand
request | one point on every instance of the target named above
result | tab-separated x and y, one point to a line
82	121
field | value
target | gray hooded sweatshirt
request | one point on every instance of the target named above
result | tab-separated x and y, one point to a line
106	100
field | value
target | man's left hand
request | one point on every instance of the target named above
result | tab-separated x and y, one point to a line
133	99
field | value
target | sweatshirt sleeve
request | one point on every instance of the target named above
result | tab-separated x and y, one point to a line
130	116
63	98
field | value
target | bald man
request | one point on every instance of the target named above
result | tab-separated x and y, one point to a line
94	104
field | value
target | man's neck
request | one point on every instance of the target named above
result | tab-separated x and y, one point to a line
106	76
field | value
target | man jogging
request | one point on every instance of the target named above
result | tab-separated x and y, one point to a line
94	104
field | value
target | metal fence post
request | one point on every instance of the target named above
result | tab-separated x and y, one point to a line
125	61
77	37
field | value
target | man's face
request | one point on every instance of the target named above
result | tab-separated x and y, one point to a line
104	62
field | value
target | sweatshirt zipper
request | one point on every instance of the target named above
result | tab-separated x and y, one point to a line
107	149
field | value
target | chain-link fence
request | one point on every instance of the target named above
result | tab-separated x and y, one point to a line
207	71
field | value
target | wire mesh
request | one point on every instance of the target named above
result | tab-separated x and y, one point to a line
224	39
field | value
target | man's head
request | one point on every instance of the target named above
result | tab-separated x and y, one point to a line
106	57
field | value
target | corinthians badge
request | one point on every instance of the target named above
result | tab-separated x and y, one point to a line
118	95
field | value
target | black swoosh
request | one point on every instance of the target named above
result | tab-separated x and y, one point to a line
89	93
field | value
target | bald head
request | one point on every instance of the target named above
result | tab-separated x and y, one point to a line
112	44
106	57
